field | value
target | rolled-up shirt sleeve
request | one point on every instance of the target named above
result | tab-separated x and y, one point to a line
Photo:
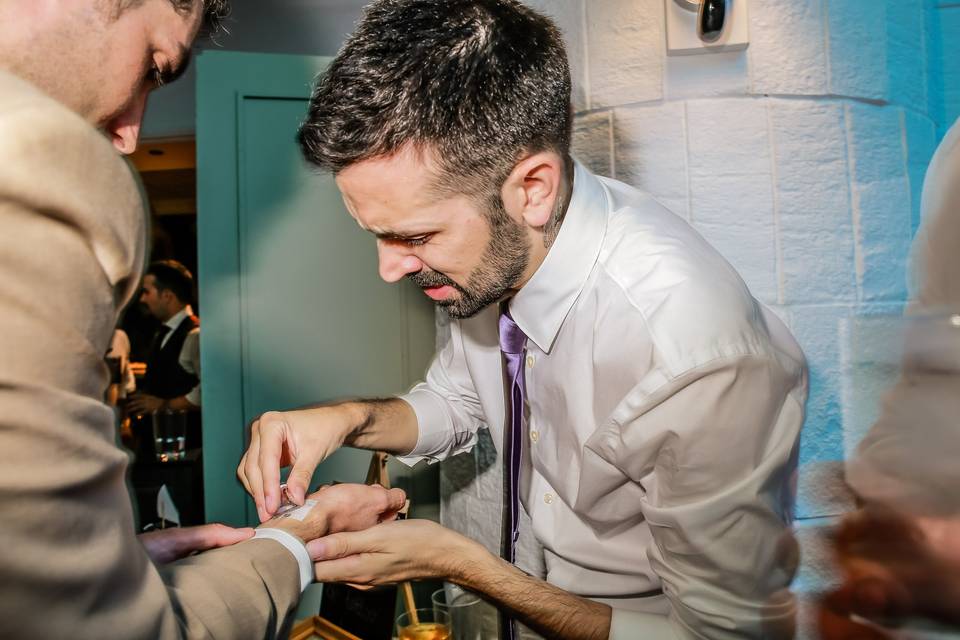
190	361
715	452
447	406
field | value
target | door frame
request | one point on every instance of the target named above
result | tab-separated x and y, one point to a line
224	80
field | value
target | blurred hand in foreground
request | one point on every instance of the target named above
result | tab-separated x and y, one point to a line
895	568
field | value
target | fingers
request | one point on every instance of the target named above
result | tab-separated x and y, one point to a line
252	471
272	435
300	475
168	545
211	536
396	499
223	536
242	473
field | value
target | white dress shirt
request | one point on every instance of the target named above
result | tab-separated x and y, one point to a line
663	420
120	348
189	357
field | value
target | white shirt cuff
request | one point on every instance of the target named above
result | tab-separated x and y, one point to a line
193	396
432	421
295	546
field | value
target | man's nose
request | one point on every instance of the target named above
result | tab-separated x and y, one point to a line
396	261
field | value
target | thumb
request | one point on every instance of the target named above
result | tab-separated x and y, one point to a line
332	547
299	479
396	498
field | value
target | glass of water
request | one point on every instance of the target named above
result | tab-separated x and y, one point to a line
169	434
467	612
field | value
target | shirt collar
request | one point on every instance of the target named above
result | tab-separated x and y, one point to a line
174	321
542	304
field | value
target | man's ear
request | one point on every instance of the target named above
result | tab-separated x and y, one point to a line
124	130
533	187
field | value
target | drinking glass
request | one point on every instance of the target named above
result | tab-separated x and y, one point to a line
466	611
428	624
169	434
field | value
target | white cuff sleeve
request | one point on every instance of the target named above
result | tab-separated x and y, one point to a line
295	546
432	425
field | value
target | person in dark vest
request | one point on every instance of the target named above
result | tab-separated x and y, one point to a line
173	364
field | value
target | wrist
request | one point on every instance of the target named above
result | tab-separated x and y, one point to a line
355	417
315	525
464	560
293	527
295	546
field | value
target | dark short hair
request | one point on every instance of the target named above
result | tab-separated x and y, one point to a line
170	275
480	82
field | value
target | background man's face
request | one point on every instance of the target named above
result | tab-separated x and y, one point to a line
100	61
446	244
153	299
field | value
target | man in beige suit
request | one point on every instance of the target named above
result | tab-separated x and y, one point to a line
71	254
899	555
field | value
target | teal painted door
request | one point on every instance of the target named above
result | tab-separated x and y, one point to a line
294	311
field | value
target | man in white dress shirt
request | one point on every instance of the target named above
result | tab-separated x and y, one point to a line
661	403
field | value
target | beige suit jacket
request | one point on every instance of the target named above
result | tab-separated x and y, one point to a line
71	253
908	460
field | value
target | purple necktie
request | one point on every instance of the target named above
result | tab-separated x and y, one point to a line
513	345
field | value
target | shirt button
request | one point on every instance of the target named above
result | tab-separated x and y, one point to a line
534	435
548	498
530	361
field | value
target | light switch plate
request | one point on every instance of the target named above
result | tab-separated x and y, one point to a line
682	38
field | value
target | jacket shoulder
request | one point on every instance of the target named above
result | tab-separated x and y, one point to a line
54	163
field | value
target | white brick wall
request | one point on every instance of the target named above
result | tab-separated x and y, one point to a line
801	159
797	29
650	151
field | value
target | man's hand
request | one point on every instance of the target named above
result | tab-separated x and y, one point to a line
895	568
341	507
280	439
391	553
306	437
143	403
355	507
413	549
167	545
